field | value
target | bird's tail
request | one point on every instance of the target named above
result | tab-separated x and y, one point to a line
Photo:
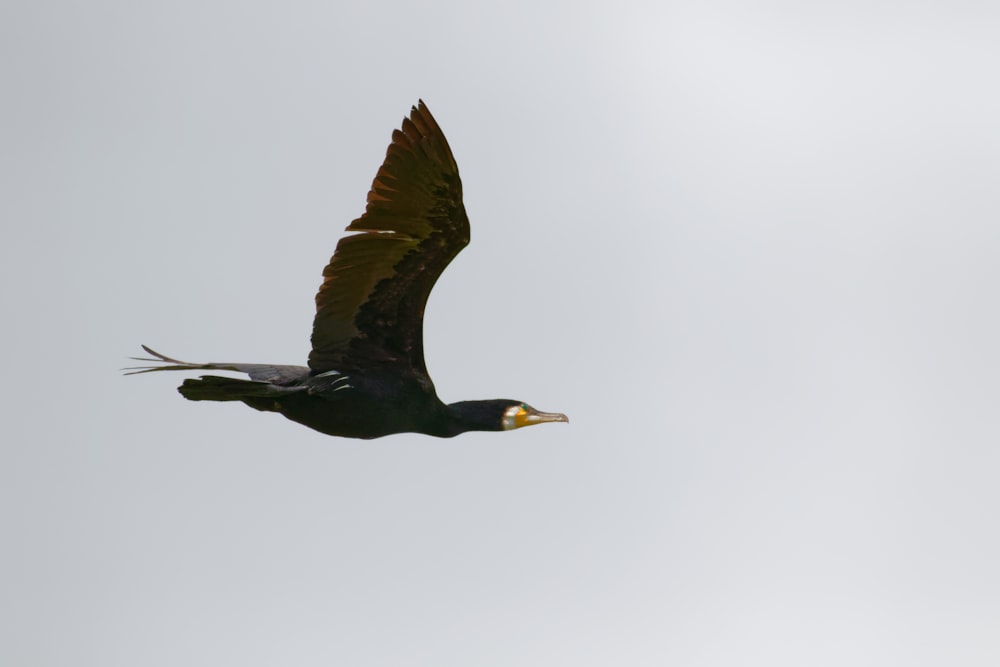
267	383
216	388
258	395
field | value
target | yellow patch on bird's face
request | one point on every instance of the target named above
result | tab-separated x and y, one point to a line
515	417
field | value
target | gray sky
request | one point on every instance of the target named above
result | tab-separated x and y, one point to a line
750	248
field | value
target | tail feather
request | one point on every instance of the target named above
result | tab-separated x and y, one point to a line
216	388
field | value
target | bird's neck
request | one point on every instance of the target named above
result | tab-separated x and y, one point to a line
474	416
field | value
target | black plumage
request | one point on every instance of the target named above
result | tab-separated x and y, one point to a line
366	375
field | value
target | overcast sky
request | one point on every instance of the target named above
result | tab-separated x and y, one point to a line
751	249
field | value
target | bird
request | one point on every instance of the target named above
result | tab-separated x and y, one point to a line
366	377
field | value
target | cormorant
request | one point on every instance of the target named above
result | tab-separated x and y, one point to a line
366	376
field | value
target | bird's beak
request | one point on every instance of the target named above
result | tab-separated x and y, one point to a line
530	416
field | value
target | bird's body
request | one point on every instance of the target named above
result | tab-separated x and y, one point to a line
366	376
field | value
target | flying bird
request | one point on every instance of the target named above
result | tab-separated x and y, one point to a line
366	376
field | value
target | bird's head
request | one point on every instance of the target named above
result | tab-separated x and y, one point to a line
499	414
516	415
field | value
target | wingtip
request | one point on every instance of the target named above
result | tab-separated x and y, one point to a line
161	357
156	358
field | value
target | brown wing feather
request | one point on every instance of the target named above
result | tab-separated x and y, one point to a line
370	307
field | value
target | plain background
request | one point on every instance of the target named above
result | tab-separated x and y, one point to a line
749	247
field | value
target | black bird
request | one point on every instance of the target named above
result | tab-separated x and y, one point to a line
366	376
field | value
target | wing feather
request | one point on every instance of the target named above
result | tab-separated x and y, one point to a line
371	303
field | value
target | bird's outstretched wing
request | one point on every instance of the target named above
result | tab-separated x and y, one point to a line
269	373
370	307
